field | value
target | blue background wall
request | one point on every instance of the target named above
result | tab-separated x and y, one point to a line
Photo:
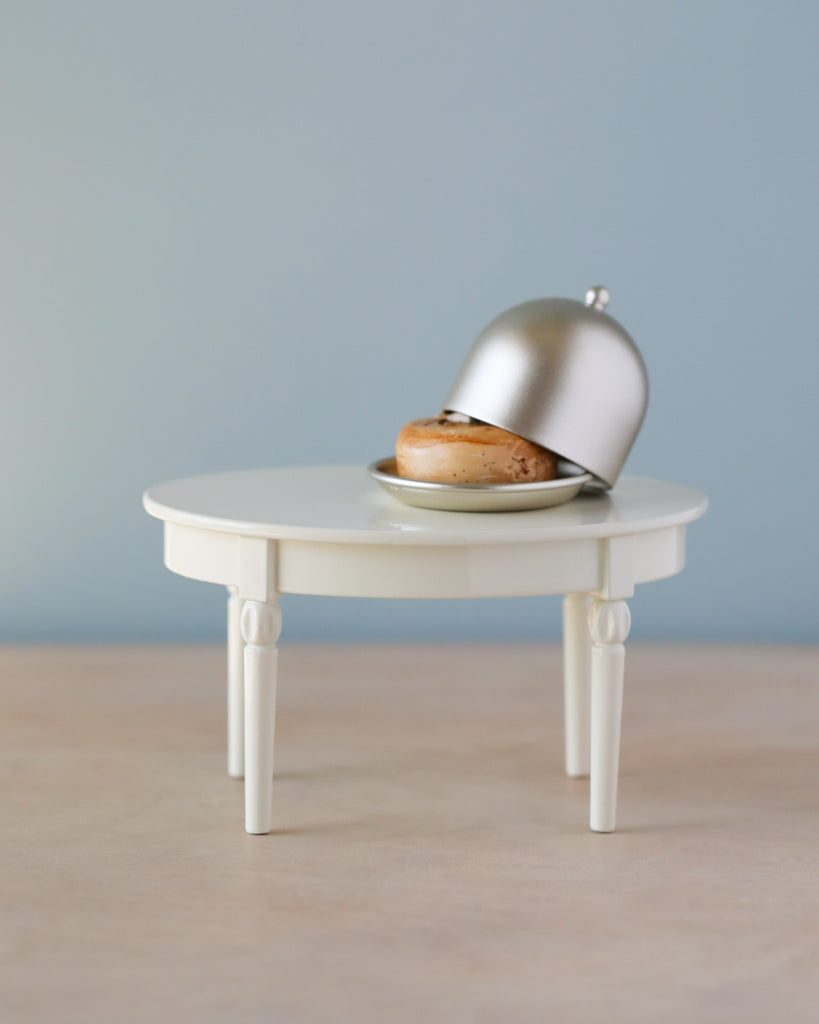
243	234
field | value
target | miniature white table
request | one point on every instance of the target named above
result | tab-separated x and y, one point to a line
330	530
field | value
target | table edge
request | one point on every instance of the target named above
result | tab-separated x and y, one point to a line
271	531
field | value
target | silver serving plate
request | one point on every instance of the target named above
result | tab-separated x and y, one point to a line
480	497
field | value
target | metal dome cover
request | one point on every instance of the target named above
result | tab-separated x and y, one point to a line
563	374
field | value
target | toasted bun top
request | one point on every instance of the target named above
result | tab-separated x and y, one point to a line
437	429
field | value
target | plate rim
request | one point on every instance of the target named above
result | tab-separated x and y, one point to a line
382	476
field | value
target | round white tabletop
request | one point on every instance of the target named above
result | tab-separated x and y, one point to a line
341	504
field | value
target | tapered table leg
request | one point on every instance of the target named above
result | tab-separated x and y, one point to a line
576	683
261	626
609	623
235	688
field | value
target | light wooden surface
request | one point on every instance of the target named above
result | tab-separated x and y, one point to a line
429	860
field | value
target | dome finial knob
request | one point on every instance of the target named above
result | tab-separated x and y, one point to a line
598	297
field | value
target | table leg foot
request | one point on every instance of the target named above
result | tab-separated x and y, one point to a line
609	623
235	688
576	683
261	626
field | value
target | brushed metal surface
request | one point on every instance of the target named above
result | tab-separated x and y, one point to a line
563	374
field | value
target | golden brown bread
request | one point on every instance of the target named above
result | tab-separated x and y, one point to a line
445	451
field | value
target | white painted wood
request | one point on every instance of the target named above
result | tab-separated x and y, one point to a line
609	623
331	530
261	626
342	505
576	683
235	687
365	570
617	567
436	571
211	556
659	554
258	568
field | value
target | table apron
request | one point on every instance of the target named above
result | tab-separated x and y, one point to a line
425	571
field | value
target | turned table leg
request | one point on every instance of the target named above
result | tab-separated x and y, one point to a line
576	682
235	687
609	623
261	626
